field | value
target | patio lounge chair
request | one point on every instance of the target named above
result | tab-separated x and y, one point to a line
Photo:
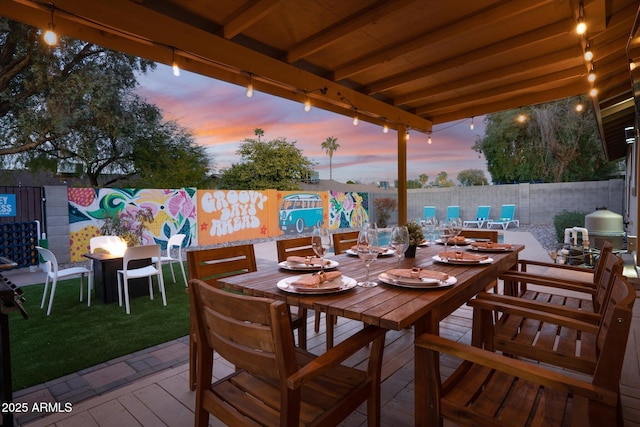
453	212
429	212
507	214
482	216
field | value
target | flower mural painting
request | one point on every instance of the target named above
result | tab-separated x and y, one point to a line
173	211
348	209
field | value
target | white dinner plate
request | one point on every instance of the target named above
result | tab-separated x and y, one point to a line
466	242
462	262
387	252
339	284
478	249
417	283
304	267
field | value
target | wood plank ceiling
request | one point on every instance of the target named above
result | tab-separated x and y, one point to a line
403	63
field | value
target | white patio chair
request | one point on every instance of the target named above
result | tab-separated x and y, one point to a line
54	273
147	252
174	241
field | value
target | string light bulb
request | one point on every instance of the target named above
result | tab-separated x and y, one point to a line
471	126
593	92
579	107
50	37
632	65
249	92
307	104
355	119
174	64
407	136
429	141
588	53
521	118
581	27
385	128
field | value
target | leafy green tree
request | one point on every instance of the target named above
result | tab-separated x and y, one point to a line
47	92
74	104
276	164
442	180
413	183
470	177
555	144
330	145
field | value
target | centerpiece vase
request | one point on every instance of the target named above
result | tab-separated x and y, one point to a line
410	252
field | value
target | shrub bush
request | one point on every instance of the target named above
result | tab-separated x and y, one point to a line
567	219
384	207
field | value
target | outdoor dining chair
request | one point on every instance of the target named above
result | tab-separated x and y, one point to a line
492	389
54	273
174	241
342	242
301	246
275	383
144	252
208	265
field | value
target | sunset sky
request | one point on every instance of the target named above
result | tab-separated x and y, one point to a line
220	116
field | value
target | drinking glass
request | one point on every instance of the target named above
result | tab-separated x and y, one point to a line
456	228
399	241
368	252
430	225
445	233
320	242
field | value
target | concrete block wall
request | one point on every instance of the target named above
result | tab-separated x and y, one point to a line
535	203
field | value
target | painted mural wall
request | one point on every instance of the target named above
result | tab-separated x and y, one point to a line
174	211
209	217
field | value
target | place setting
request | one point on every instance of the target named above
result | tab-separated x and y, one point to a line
491	247
417	278
462	258
307	263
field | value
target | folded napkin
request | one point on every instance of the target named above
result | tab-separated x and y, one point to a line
315	280
306	260
462	256
491	245
416	273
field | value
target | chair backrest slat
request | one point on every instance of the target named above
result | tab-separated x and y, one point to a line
344	241
610	266
298	246
241	328
211	264
475	233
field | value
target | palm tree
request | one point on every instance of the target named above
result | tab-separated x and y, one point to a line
258	132
330	145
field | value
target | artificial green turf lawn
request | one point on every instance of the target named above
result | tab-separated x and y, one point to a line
76	337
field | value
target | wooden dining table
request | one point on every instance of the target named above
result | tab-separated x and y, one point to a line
385	305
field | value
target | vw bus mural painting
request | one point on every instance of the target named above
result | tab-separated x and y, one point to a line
300	212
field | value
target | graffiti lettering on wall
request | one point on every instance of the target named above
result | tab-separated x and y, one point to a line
348	209
234	211
174	212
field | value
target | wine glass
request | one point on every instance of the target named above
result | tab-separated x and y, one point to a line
320	242
456	228
445	233
368	252
399	241
430	225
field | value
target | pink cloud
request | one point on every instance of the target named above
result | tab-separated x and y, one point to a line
220	116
